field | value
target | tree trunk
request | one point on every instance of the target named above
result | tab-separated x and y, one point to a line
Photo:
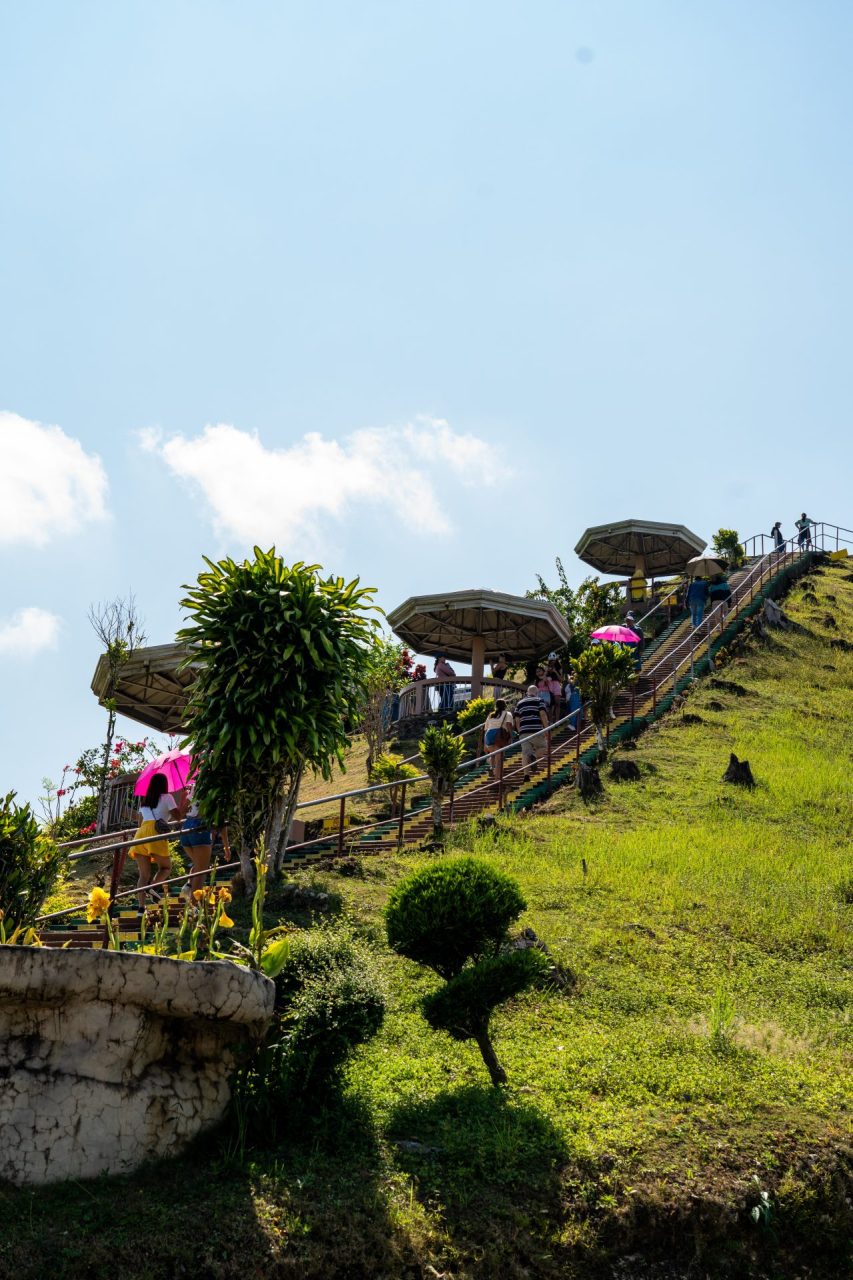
280	821
437	823
588	781
494	1068
102	787
599	737
247	870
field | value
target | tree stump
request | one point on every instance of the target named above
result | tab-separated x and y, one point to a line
588	781
690	717
625	771
774	616
739	772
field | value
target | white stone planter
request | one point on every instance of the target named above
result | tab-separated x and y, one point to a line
109	1059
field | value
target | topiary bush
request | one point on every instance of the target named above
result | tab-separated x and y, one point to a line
391	767
464	1005
452	912
453	917
30	863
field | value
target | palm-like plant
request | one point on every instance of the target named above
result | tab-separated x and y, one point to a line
441	753
281	655
601	671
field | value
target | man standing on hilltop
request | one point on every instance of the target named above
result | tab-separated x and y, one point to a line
804	525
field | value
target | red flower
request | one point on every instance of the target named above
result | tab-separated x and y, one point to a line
60	792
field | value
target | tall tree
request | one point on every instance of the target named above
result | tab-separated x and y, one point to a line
586	608
282	656
120	631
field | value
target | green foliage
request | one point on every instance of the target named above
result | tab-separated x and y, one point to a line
388	664
329	1000
281	655
441	752
726	543
30	863
463	1006
77	818
453	917
601	671
474	713
391	767
586	608
452	912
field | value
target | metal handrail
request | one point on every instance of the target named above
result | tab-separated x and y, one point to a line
757	570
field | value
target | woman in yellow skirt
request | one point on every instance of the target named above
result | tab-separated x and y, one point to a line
153	861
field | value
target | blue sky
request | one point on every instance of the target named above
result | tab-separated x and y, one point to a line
420	290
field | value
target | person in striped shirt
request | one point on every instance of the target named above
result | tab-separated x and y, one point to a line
530	718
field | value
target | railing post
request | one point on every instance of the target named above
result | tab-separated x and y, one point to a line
501	781
343	811
402	816
655	694
548	756
452	796
633	701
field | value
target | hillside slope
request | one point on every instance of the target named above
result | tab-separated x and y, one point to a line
696	1068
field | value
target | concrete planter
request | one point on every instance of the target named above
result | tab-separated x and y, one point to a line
109	1059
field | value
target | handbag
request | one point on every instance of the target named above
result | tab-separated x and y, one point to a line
161	827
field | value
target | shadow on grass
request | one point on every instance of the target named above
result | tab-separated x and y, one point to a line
311	1207
490	1163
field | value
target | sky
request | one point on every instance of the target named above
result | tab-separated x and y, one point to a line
417	291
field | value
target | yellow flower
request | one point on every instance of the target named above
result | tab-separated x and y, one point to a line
99	902
224	895
225	921
198	894
2	914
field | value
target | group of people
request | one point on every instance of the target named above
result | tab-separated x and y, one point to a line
158	810
551	696
804	533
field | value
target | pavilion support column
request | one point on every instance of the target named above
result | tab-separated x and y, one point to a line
478	661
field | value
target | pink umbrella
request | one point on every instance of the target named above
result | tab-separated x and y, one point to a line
176	765
616	635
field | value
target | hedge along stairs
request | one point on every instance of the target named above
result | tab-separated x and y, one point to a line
477	796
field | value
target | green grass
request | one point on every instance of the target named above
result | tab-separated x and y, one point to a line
700	1056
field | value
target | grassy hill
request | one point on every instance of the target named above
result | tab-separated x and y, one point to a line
681	1108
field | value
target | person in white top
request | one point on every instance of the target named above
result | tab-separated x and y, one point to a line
153	860
497	733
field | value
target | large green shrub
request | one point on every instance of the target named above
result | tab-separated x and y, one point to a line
30	863
453	917
329	1000
452	912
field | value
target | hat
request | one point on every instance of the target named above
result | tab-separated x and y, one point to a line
630	613
532	690
552	657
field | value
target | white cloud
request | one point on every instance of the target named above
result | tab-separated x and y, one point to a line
28	632
49	485
274	495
